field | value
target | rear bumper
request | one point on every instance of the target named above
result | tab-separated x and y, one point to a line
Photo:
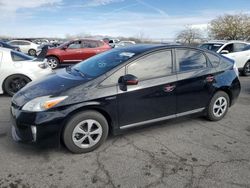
235	91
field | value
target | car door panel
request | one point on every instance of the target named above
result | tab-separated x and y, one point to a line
150	99
194	89
195	80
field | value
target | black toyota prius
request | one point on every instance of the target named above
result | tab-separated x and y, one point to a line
121	89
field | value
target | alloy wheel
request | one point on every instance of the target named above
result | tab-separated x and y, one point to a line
220	106
247	68
87	133
52	63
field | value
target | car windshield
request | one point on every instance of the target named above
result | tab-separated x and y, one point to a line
212	46
17	56
102	63
246	48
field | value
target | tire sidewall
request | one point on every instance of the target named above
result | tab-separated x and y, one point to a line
54	58
243	71
9	79
30	52
210	113
71	124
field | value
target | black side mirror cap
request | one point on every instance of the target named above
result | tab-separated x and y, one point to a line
127	80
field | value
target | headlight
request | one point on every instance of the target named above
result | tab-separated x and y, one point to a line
42	103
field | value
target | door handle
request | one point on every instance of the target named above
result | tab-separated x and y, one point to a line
210	78
169	88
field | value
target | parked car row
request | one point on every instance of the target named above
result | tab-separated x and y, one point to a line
75	51
26	46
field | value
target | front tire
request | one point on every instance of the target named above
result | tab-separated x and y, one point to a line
246	69
218	106
53	62
14	83
85	132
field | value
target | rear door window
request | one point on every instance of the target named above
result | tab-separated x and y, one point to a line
188	60
90	44
239	47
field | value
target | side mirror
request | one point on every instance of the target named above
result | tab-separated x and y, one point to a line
127	80
224	52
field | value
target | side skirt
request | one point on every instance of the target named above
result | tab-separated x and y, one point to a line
162	118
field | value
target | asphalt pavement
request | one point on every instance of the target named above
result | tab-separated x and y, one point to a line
186	152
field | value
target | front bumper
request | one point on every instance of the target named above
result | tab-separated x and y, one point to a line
30	127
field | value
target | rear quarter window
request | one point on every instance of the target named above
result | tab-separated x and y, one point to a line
19	56
214	60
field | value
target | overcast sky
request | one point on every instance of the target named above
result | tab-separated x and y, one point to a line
154	18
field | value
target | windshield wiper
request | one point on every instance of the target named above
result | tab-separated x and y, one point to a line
81	73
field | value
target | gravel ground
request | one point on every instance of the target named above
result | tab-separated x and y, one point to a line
186	152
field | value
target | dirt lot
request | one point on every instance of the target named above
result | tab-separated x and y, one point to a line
188	152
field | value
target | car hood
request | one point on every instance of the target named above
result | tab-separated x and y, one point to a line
55	84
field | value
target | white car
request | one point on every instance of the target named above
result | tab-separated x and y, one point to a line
242	60
17	69
225	47
26	46
235	50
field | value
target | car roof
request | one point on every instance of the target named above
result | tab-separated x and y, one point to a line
85	39
20	40
140	48
225	42
143	48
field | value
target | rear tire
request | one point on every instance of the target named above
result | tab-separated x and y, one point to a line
85	132
218	106
32	52
53	62
14	83
246	69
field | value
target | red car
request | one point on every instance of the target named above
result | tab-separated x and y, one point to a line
75	51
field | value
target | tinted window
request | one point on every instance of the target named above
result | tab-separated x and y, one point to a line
151	66
100	64
90	44
75	45
229	48
190	60
23	43
214	60
100	43
246	48
16	56
14	43
113	79
212	47
239	47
